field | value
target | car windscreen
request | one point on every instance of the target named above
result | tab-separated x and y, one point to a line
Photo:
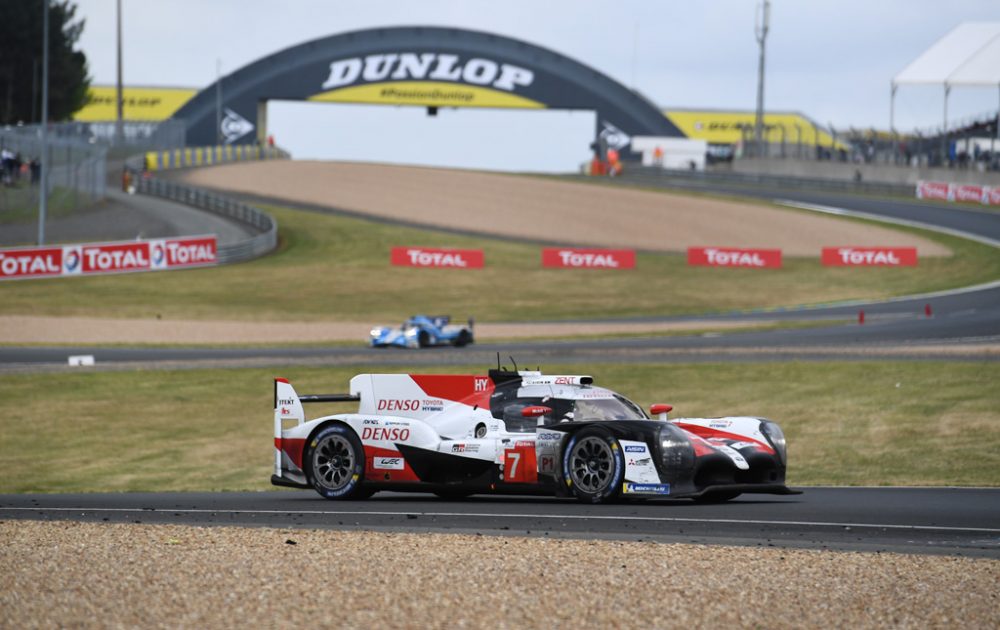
616	408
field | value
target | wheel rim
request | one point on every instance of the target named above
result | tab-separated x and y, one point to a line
333	462
591	464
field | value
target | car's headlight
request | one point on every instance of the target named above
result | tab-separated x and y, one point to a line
376	332
776	437
676	451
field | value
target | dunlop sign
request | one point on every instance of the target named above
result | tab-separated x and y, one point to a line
432	66
422	66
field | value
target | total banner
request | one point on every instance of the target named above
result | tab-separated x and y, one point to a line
869	256
734	257
432	257
576	258
104	258
971	193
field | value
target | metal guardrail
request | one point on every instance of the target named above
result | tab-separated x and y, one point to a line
221	205
658	177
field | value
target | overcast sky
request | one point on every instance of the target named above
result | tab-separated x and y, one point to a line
830	59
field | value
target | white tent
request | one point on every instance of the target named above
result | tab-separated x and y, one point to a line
967	56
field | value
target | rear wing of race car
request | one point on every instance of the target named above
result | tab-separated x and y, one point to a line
288	406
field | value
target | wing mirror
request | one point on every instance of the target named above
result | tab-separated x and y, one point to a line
661	410
536	411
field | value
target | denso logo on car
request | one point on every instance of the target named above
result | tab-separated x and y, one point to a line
430	257
398	405
575	258
734	257
869	256
385	435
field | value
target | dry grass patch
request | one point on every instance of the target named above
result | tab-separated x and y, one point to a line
847	422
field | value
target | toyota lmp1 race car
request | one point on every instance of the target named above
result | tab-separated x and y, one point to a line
516	432
421	331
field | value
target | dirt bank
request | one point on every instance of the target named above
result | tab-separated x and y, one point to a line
546	209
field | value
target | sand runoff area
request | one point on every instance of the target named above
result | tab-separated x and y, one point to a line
547	209
160	576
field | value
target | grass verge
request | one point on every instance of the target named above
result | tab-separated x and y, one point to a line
852	423
336	268
19	204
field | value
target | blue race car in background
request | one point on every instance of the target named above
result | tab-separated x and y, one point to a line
422	331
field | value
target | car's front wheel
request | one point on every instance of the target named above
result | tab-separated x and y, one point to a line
594	466
336	463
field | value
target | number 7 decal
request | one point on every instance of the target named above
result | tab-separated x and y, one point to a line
513	459
520	464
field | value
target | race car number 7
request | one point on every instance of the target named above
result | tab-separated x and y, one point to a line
516	457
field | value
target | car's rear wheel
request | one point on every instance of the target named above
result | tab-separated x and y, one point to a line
463	339
336	464
593	466
423	339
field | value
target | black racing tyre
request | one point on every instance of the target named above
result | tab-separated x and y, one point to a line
463	339
720	496
335	463
423	339
594	466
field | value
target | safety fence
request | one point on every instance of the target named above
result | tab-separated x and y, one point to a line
221	205
206	156
134	134
77	171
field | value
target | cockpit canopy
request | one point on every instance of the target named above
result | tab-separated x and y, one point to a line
568	403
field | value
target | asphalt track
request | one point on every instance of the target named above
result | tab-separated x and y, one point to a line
960	521
953	521
959	320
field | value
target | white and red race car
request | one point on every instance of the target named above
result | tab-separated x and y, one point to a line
516	432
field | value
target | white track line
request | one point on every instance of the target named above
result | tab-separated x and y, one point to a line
563	517
985	240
